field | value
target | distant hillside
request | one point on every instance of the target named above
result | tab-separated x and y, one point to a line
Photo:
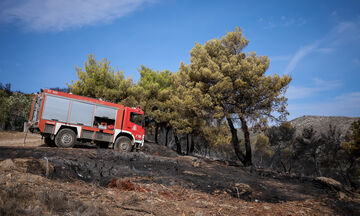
321	123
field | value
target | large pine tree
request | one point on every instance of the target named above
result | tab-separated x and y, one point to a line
224	82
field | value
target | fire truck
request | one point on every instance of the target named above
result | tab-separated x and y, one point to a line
63	119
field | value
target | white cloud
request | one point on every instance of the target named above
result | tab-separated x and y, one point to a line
327	84
299	92
334	13
356	61
318	85
343	105
280	58
324	50
300	54
344	26
58	15
301	21
342	33
347	32
283	22
270	25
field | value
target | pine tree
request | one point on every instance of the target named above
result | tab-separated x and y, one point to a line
224	82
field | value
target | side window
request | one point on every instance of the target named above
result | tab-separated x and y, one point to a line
56	108
81	113
136	118
105	117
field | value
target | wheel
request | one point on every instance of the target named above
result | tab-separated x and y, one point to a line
49	142
65	138
123	144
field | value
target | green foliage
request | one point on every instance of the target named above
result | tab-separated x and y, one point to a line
155	81
99	80
281	135
217	134
187	109
307	144
352	145
222	81
262	145
14	108
282	138
19	104
235	82
156	92
3	107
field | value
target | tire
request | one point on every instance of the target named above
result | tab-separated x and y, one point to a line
49	142
123	144
65	138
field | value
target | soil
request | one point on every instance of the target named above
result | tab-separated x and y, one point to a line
14	138
155	181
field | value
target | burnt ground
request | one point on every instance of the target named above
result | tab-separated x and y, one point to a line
156	181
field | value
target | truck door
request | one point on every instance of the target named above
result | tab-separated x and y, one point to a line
134	120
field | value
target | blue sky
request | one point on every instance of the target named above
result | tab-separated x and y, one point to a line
316	42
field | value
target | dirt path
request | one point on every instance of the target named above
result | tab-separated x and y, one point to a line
17	139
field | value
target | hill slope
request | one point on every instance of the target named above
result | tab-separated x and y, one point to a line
321	123
105	182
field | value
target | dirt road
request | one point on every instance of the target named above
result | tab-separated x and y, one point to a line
156	182
17	139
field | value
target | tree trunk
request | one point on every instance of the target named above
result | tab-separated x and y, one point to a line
245	129
166	135
353	185
2	125
275	155
235	141
192	144
156	132
317	167
284	167
187	144
177	143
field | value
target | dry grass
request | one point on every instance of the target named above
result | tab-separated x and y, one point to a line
25	191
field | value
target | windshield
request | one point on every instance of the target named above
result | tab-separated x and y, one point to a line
137	118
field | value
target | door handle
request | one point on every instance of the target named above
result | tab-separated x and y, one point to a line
128	127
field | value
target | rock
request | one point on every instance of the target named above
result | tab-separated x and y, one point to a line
242	189
194	161
341	195
7	164
46	165
198	214
30	165
193	173
328	183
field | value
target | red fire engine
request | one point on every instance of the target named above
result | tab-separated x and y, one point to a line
63	118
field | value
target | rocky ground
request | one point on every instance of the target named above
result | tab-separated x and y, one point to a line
39	180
